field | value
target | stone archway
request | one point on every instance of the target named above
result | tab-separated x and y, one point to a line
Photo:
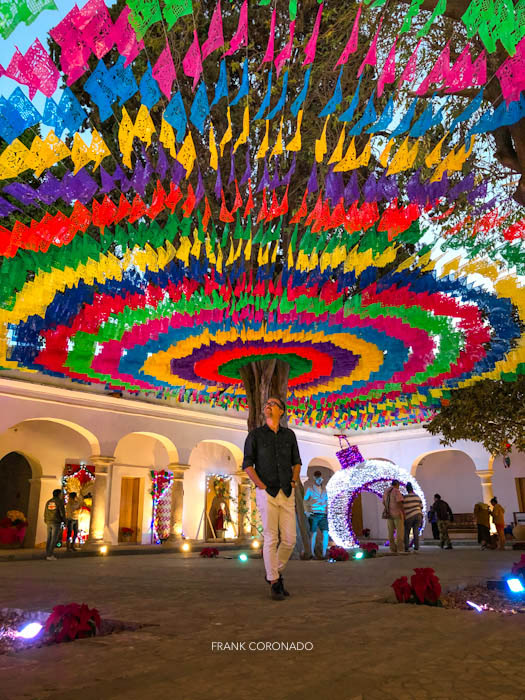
372	476
15	486
451	473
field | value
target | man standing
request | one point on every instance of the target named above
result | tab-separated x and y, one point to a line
393	504
498	518
271	460
54	516
482	515
73	507
318	498
444	517
413	507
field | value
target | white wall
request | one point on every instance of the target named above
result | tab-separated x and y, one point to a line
504	485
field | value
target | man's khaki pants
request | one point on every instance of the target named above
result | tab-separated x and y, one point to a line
278	519
397	525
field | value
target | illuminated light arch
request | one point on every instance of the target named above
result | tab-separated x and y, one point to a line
372	475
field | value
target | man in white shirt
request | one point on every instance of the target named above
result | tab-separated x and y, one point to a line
317	498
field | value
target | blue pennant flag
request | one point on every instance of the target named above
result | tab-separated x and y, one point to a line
102	92
384	120
282	98
348	114
71	111
245	84
468	111
175	115
369	117
149	88
336	98
122	80
52	117
221	89
200	108
406	121
266	102
296	104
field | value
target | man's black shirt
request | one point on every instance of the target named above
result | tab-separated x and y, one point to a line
273	455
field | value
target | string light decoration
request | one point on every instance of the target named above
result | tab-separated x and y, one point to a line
161	510
374	476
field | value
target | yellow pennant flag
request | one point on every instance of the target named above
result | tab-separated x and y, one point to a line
187	154
125	138
263	148
167	138
385	153
404	158
144	127
337	155
214	156
80	154
12	160
295	143
243	138
434	156
349	162
227	134
98	149
278	148
320	144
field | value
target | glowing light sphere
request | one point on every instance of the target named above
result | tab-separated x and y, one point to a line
30	631
358	555
243	557
103	549
372	475
186	547
256	544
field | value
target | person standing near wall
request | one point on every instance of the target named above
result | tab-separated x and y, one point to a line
393	511
413	507
498	518
317	498
73	507
482	515
444	517
272	461
54	516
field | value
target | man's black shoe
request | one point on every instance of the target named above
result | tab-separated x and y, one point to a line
281	581
276	592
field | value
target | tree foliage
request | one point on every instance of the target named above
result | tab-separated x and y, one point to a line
491	413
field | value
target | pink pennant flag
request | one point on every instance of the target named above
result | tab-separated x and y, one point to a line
371	55
19	70
125	38
285	54
409	73
192	62
164	71
351	45
215	36
44	73
74	50
240	38
94	21
388	74
461	73
312	41
479	69
511	74
439	73
268	56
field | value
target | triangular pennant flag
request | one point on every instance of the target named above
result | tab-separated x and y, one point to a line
311	46
221	88
351	45
245	84
240	38
285	54
388	74
371	56
268	56
192	62
164	71
215	38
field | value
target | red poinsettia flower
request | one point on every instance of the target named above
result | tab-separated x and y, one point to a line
369	547
338	553
426	585
402	589
73	621
209	552
519	566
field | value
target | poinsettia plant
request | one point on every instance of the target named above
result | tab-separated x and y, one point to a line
424	588
209	552
338	553
369	548
72	621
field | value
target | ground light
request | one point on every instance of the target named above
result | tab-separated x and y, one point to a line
30	631
103	549
243	557
186	547
359	555
475	606
256	544
515	585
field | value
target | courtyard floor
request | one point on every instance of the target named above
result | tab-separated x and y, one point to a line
362	647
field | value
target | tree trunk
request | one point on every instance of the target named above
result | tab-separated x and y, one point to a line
261	380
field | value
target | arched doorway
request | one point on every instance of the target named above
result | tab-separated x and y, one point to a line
15	475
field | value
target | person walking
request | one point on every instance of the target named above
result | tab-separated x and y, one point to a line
482	516
393	511
444	517
432	519
272	461
318	499
54	516
413	507
73	507
498	518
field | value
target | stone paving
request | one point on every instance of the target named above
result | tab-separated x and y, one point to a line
363	649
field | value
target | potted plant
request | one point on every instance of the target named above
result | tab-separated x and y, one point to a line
13	529
126	533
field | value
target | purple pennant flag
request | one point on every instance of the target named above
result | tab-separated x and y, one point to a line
108	183
416	192
21	191
370	188
274	182
479	192
352	192
199	192
334	186
438	189
178	171
218	183
248	172
312	185
464	185
162	163
50	190
387	189
265	179
287	178
6	207
232	167
485	206
80	186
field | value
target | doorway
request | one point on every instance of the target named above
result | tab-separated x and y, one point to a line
130	509
15	474
520	491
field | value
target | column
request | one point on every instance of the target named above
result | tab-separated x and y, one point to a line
485	476
177	500
244	507
98	525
